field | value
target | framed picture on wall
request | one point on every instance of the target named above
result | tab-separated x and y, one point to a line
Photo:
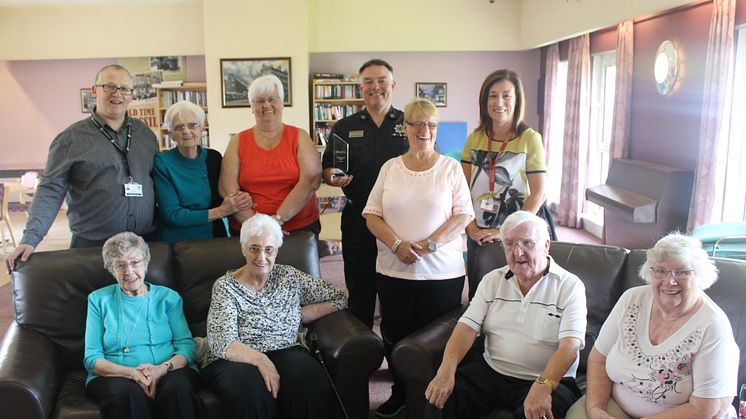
434	92
236	74
87	101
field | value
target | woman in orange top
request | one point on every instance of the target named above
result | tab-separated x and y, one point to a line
277	164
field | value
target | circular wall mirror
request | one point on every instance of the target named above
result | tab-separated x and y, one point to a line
666	67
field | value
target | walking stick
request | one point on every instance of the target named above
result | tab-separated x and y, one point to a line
315	349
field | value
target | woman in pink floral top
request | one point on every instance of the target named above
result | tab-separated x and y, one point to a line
666	350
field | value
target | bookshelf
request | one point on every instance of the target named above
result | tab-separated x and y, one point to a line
167	96
332	100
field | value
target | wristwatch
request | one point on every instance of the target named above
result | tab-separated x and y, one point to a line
544	380
169	365
278	219
432	246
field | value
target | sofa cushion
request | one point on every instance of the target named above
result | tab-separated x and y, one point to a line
62	315
199	263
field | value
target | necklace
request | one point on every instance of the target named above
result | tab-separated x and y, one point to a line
137	320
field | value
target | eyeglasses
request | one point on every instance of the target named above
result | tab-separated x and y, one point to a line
268	250
271	100
112	88
184	127
524	244
383	81
675	273
122	266
419	125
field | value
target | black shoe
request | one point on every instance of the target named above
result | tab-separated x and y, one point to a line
391	407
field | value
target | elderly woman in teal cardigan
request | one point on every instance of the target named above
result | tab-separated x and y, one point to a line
139	352
186	181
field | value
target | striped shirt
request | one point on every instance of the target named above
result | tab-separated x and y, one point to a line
87	170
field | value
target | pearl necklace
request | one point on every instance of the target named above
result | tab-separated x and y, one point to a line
137	319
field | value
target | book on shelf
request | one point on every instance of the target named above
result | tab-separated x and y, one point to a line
170	83
329	76
320	137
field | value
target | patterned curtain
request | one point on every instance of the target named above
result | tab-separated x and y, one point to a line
550	85
709	184
575	147
619	147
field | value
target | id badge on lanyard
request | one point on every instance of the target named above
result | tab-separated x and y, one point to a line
490	204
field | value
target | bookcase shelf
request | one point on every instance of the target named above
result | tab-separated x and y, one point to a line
332	100
167	96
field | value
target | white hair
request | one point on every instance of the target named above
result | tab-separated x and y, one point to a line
266	85
258	225
180	108
687	250
519	217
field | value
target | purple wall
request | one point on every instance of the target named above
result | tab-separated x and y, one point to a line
665	129
42	98
463	71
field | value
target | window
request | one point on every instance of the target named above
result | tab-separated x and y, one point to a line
557	124
603	80
734	201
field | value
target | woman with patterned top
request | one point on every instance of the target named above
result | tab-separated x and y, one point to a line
666	350
252	326
139	352
503	161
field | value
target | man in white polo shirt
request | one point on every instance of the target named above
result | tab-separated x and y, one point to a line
533	315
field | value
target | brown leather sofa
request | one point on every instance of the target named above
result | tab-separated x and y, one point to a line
41	357
606	272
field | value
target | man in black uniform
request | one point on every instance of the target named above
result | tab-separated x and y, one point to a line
374	135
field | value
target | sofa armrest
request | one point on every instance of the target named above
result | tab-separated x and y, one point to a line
351	352
417	357
30	374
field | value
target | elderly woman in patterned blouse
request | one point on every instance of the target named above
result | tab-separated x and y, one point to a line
252	326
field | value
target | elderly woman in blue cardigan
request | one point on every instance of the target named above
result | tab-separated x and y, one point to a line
139	352
186	181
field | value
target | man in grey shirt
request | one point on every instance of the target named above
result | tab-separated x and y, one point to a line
101	166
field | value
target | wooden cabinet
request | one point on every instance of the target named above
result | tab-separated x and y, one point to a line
332	100
167	96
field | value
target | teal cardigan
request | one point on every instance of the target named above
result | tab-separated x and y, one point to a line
185	189
153	327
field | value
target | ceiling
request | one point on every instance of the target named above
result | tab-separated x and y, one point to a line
29	3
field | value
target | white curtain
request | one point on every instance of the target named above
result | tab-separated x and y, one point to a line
709	185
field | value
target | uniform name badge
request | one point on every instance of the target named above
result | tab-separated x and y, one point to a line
133	189
489	204
356	134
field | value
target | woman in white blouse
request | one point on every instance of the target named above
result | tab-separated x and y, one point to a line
666	350
417	209
255	363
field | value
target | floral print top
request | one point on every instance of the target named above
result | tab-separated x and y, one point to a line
699	359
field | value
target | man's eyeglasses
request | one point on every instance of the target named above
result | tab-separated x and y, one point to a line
524	244
675	273
123	266
112	88
184	127
420	125
268	250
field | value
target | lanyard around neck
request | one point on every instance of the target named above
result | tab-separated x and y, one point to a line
124	152
493	161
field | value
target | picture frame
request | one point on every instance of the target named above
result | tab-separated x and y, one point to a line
87	100
236	74
436	92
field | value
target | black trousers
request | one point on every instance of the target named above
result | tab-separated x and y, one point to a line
359	252
175	397
480	389
304	388
77	241
407	306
